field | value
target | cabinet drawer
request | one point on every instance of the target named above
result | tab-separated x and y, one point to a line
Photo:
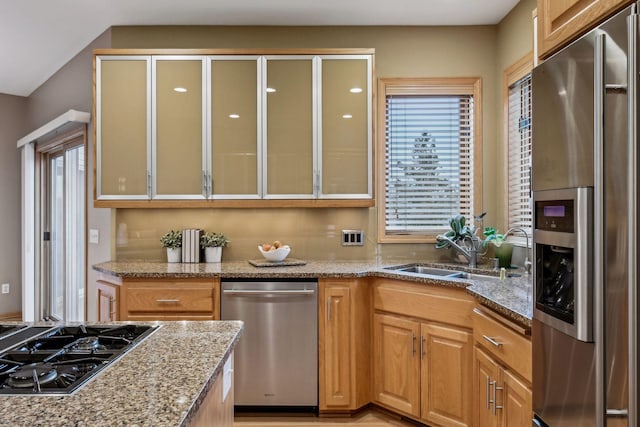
442	304
503	342
170	300
170	297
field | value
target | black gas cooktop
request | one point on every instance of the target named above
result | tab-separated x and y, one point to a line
59	360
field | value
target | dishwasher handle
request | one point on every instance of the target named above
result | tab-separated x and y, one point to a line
265	292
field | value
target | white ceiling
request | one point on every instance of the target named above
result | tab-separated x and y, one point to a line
37	37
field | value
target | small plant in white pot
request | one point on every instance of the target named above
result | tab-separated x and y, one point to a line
172	240
213	244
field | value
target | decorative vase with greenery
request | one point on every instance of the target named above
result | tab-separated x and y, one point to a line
172	240
213	244
501	248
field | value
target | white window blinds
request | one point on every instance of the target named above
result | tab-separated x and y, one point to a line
519	154
429	161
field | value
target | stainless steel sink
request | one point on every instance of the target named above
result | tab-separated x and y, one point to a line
431	271
443	272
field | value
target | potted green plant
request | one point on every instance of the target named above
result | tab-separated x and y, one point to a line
459	236
213	244
459	231
501	248
172	240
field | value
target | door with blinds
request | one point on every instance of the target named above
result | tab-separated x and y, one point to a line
62	218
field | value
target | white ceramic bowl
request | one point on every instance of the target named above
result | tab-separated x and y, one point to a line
276	256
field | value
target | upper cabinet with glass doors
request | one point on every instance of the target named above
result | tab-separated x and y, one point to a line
223	128
345	130
123	127
178	127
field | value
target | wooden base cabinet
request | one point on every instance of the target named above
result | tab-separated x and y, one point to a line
423	366
446	354
108	296
396	363
216	409
502	392
344	342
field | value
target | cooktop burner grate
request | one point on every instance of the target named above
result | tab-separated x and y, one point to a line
62	359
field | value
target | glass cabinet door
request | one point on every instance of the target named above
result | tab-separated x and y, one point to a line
234	114
289	127
346	126
123	127
179	127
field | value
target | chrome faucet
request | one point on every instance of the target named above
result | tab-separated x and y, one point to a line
527	263
470	253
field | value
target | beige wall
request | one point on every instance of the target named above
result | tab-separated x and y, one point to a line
13	125
315	233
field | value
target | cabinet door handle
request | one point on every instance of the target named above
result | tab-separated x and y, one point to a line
149	182
168	301
488	392
329	308
413	343
421	347
492	341
495	399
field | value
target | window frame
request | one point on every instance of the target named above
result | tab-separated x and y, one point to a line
511	75
425	86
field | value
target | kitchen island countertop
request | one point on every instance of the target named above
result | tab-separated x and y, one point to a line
160	382
511	297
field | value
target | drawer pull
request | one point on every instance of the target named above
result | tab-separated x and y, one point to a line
492	341
168	301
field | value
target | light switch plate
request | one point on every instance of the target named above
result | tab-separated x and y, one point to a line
94	236
6	287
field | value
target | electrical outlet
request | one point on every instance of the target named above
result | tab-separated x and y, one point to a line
352	238
6	288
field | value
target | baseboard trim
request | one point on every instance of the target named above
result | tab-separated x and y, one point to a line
11	316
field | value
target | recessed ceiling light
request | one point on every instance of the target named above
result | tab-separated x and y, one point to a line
234	116
180	89
271	90
347	116
355	90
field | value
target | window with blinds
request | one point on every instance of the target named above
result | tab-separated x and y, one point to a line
519	154
429	154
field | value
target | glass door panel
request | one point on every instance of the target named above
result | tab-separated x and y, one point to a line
234	127
179	127
75	233
56	243
122	131
345	127
290	144
66	290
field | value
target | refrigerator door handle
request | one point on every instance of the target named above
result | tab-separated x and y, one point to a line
632	224
617	413
598	225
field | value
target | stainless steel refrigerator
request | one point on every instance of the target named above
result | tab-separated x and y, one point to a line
586	214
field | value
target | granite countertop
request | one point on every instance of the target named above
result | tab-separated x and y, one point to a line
158	383
511	297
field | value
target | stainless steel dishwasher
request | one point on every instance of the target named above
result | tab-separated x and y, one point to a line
276	360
